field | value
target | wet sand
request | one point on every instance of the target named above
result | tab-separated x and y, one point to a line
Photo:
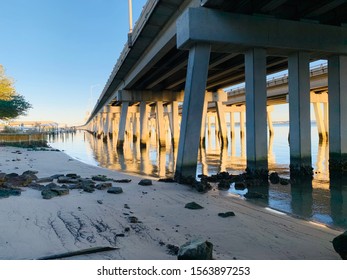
33	227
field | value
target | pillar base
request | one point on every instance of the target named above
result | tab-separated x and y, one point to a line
337	165
187	175
300	171
258	172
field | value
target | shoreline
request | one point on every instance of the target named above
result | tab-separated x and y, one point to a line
33	227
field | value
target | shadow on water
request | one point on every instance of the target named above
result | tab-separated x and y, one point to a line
321	200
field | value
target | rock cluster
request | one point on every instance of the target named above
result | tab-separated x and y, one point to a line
58	184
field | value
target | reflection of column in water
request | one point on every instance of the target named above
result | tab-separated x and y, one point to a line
322	161
204	166
145	166
338	200
203	125
271	156
121	158
109	147
302	201
161	161
223	158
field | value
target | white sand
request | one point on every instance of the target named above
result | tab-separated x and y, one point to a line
32	227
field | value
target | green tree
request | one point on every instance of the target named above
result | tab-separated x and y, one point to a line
12	104
13	107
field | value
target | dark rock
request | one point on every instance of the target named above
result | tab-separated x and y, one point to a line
145	182
86	183
274	178
48	194
226	214
122	181
73	176
103	186
12	181
60	191
340	245
172	249
44	180
11	175
66	180
2	177
101	178
120	235
36	186
5	193
167	180
202	186
51	185
193	205
88	189
56	176
189	180
284	182
239	186
127	229
115	190
195	250
224	185
126	206
99	201
133	219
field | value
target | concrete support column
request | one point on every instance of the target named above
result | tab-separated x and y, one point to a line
144	110
203	124
337	85
100	125
232	125
256	125
122	124
175	127
318	112
242	124
160	123
194	97
299	115
222	124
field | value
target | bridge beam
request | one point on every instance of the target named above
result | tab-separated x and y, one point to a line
337	84
256	115
148	95
239	32
194	97
299	115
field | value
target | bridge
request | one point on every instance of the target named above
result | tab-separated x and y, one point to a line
189	51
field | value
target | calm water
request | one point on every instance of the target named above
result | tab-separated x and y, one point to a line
324	201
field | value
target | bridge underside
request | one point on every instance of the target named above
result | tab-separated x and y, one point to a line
223	43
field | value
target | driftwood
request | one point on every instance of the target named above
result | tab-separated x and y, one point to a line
78	253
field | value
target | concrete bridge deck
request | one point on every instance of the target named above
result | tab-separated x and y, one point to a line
192	48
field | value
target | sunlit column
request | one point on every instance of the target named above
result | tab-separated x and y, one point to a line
122	124
160	123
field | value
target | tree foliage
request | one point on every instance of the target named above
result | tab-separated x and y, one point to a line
12	104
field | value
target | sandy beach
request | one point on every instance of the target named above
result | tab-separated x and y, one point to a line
33	227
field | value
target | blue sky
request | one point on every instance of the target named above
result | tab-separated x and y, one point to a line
61	52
